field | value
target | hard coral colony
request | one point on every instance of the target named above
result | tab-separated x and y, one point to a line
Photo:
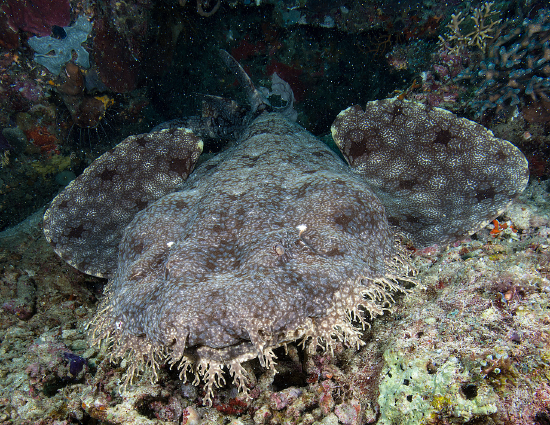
275	239
510	65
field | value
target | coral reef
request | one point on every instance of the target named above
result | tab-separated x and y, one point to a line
437	86
516	70
511	68
43	116
479	323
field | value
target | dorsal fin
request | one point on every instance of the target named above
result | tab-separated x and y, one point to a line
438	176
85	222
258	98
258	103
225	119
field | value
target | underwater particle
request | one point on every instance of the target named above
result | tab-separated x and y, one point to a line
64	177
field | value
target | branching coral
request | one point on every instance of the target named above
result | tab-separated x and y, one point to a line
511	66
484	25
516	69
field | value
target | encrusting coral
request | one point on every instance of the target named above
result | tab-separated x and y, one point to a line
275	239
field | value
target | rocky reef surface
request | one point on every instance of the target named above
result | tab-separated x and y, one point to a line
470	345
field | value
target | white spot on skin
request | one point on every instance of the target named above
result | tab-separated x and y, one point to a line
169	244
301	228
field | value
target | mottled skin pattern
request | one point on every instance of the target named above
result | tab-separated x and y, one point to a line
439	176
85	222
271	241
276	239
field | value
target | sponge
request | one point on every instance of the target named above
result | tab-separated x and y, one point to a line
54	53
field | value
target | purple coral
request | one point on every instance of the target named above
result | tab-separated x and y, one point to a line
37	16
76	363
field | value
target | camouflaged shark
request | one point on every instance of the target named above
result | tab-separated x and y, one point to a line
275	239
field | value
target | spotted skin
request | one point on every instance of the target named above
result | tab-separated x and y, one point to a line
85	222
439	176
